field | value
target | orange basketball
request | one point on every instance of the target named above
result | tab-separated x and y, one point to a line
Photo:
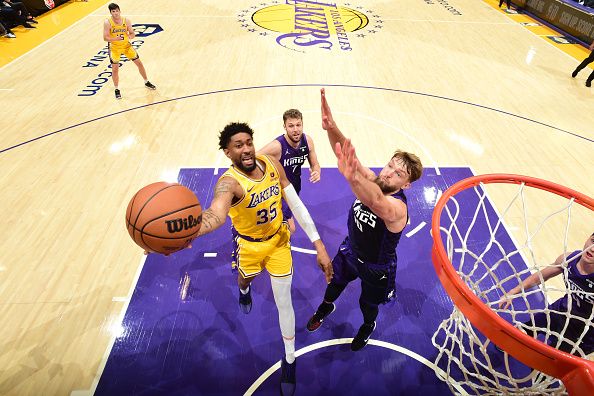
164	217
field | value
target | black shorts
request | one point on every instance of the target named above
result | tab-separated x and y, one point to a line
378	281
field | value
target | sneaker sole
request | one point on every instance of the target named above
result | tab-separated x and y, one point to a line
366	340
321	321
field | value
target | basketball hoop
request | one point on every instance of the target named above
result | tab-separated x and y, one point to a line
473	290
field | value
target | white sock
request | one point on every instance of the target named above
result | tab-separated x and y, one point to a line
289	350
244	291
145	81
116	87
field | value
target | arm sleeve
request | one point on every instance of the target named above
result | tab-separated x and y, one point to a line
300	212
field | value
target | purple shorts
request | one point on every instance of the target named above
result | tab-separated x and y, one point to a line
378	281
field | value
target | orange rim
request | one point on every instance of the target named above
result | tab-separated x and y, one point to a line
577	374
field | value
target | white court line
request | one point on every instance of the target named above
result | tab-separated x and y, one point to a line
338	341
415	230
443	21
177	16
119	299
218	161
120	320
302	250
210	254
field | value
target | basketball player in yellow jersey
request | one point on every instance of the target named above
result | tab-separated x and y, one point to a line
117	31
250	193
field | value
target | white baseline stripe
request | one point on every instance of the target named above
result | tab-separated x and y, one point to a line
301	250
415	230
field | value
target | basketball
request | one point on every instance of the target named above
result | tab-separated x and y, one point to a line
163	217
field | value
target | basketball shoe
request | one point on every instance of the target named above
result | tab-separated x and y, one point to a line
363	336
318	317
118	95
245	301
288	381
149	85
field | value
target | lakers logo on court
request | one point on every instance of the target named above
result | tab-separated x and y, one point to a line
308	25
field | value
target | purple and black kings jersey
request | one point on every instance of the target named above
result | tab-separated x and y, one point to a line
581	287
369	237
292	159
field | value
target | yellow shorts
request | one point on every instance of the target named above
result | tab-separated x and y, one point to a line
115	53
274	255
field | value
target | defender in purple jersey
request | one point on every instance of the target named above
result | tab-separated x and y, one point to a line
375	223
292	150
579	281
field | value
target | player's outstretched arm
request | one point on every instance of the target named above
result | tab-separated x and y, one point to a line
390	210
328	123
534	279
305	221
272	149
225	190
335	135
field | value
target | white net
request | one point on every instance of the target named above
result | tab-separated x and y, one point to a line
493	251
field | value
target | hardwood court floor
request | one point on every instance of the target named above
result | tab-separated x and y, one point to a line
475	90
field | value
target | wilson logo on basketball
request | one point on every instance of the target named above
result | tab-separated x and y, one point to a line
301	25
179	225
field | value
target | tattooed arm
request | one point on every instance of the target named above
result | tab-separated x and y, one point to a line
226	190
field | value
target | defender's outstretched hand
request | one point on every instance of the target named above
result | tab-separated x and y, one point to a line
504	302
348	163
327	119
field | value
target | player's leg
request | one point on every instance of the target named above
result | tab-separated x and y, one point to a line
279	265
589	80
245	293
344	273
371	297
281	289
377	287
249	256
584	63
114	59
142	71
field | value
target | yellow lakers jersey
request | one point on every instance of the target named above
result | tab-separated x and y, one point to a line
120	30
258	214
